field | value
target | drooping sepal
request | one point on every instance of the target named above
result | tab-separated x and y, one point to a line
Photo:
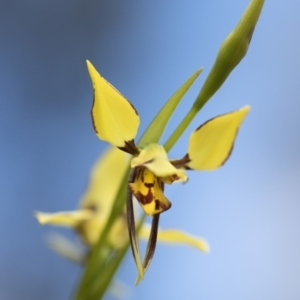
115	119
147	189
131	227
211	144
151	245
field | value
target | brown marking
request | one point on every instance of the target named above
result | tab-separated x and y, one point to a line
213	119
144	199
175	177
121	95
230	150
152	242
149	185
181	163
140	173
161	184
130	148
159	205
142	176
93	121
148	161
199	127
92	207
133	108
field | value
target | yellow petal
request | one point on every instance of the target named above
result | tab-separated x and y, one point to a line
105	177
115	120
173	236
154	158
147	191
66	218
90	231
211	144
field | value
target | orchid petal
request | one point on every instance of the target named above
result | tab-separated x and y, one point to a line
211	144
174	236
148	192
115	120
106	175
154	158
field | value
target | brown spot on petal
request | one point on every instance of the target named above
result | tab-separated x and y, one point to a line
142	175
181	163
149	185
228	155
175	177
92	207
159	205
130	148
144	199
148	161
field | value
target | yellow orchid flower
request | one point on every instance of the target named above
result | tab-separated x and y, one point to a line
95	207
116	121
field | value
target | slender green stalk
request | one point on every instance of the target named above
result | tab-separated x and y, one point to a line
113	266
95	260
180	129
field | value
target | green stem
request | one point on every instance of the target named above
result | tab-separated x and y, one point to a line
95	261
180	129
114	265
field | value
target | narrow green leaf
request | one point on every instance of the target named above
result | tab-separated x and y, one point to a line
156	128
111	267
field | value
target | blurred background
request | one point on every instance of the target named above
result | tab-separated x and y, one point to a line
248	210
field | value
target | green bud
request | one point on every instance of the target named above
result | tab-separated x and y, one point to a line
231	52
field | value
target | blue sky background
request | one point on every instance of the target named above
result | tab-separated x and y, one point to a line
248	210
